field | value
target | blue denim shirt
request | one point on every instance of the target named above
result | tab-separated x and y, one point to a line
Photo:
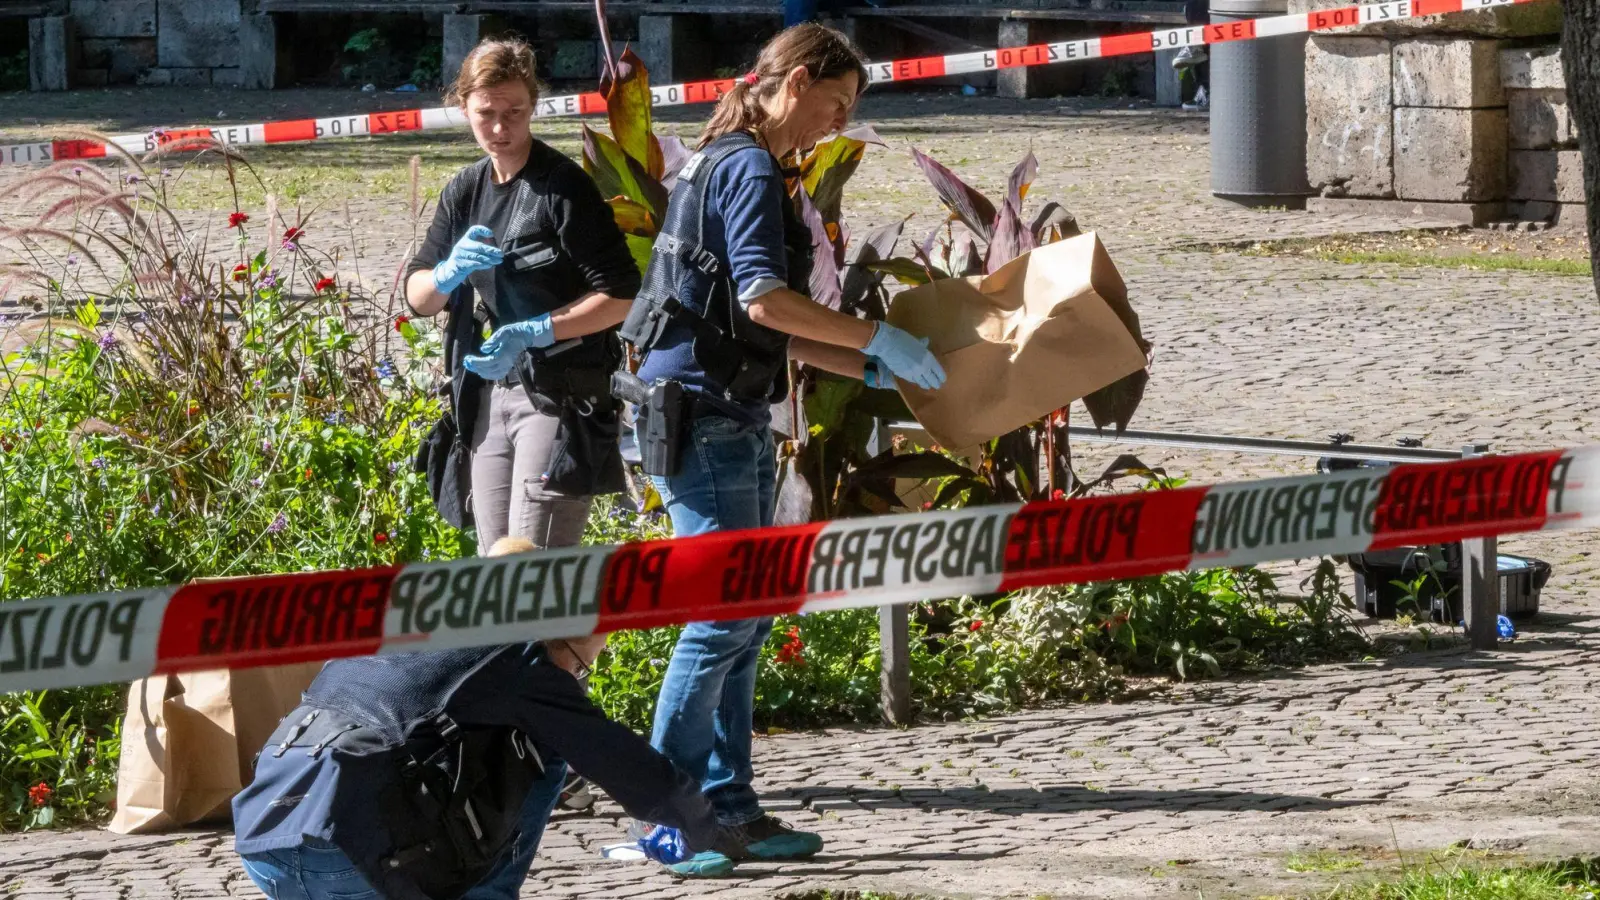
744	230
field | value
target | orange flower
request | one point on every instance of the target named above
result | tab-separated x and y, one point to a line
40	794
308	474
68	537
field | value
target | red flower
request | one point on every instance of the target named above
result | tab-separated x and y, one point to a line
790	654
380	538
293	234
976	624
40	794
241	272
237	218
1058	494
326	284
194	407
308	474
400	321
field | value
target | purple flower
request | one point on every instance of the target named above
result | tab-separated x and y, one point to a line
278	524
107	341
394	467
255	482
99	462
72	259
268	280
334	418
385	369
77	170
186	300
134	179
291	246
427	553
266	446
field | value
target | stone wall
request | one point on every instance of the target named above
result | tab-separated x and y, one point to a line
168	42
1455	117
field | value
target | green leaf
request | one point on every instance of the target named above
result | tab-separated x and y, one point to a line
628	105
825	170
906	271
45	816
619	175
632	217
923	465
826	404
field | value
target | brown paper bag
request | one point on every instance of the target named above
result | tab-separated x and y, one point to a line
1044	330
189	742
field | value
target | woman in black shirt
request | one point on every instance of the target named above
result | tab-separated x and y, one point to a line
528	231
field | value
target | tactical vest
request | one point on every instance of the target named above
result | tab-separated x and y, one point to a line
685	282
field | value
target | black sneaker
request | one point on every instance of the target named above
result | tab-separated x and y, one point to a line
768	838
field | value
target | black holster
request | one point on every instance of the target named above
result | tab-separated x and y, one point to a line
662	424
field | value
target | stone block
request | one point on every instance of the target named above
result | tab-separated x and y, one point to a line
52	53
231	77
461	34
197	34
124	59
90	78
1474	215
1521	20
258	55
1540	120
1453	73
1533	68
114	18
575	59
1555	176
1349	117
663	45
1450	154
1169	84
176	77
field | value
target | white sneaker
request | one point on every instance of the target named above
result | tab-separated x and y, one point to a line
1189	57
1201	102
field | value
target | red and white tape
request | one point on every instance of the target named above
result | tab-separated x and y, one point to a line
709	91
907	558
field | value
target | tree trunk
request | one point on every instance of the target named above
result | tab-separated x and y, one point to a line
1580	54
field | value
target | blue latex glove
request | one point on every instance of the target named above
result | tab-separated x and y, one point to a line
877	374
665	845
500	351
906	356
468	255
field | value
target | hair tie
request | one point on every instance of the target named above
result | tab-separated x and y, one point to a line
751	78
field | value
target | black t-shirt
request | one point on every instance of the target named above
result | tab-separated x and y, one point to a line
549	210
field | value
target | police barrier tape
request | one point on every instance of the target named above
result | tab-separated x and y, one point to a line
577	591
709	91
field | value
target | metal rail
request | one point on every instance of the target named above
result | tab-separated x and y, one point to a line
1343	450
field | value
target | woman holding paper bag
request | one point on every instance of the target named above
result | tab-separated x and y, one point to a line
723	308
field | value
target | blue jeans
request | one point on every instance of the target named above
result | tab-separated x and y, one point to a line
707	704
317	870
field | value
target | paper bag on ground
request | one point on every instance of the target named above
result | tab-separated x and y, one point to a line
1044	330
189	742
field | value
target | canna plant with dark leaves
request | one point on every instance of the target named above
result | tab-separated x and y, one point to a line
1035	461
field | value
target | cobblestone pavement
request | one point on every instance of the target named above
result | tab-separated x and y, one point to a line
1207	789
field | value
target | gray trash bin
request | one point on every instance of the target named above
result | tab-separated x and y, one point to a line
1258	112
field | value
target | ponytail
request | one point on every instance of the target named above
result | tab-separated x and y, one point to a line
824	52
